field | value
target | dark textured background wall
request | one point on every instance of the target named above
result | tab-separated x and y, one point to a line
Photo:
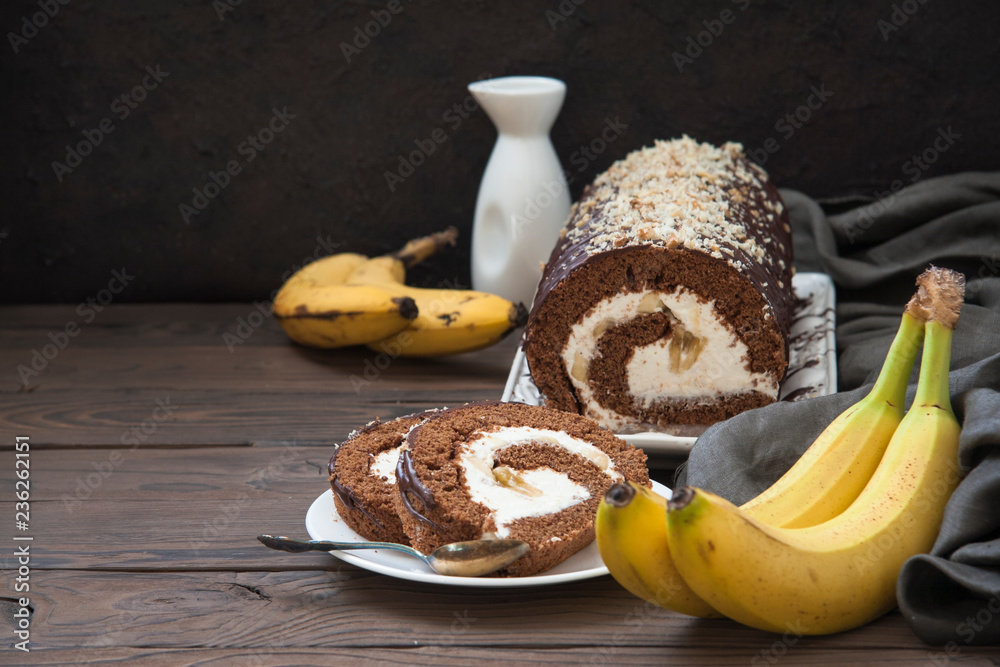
323	176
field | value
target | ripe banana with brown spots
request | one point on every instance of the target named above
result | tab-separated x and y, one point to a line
450	321
349	299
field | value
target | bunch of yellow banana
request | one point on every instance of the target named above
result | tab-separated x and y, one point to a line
349	299
820	551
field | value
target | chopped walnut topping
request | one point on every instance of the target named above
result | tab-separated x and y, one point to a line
682	194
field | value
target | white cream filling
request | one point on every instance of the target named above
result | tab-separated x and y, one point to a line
720	367
518	494
384	464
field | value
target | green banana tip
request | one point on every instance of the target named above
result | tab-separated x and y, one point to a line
619	495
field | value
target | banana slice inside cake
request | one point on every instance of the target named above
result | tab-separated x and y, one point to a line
506	470
667	302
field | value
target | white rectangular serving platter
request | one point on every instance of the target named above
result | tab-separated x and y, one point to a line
811	346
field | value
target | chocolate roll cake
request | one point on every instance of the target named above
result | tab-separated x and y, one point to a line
667	302
499	470
363	478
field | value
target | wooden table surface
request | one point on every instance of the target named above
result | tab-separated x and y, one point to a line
164	438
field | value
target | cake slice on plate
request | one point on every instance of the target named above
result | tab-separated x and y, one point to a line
363	478
508	470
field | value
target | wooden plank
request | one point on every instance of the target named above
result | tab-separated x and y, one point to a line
196	476
337	610
149	555
355	370
291	473
110	418
146	325
462	656
166	535
173	509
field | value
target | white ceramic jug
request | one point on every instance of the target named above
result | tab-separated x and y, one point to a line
523	199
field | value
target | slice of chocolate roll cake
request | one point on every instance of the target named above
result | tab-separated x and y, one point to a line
498	470
667	302
363	478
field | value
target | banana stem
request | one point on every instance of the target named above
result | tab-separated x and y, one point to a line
895	374
939	296
932	387
939	301
418	250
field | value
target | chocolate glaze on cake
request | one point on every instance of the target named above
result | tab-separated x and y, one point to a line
690	221
347	502
413	493
541	480
363	498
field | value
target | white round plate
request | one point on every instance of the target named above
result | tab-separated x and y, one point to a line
323	523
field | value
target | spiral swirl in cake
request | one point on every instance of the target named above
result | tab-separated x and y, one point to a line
667	302
510	470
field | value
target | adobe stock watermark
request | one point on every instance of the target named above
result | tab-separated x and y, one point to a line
424	148
228	512
790	123
123	623
989	267
122	107
88	311
372	29
535	206
901	13
581	158
31	25
220	180
223	7
779	647
968	630
390	350
635	619
915	168
246	326
458	627
259	655
929	499
311	590
696	44
585	155
86	485
566	9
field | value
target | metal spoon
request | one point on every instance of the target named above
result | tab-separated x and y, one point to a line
459	559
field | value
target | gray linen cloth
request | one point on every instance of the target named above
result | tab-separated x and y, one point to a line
874	252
